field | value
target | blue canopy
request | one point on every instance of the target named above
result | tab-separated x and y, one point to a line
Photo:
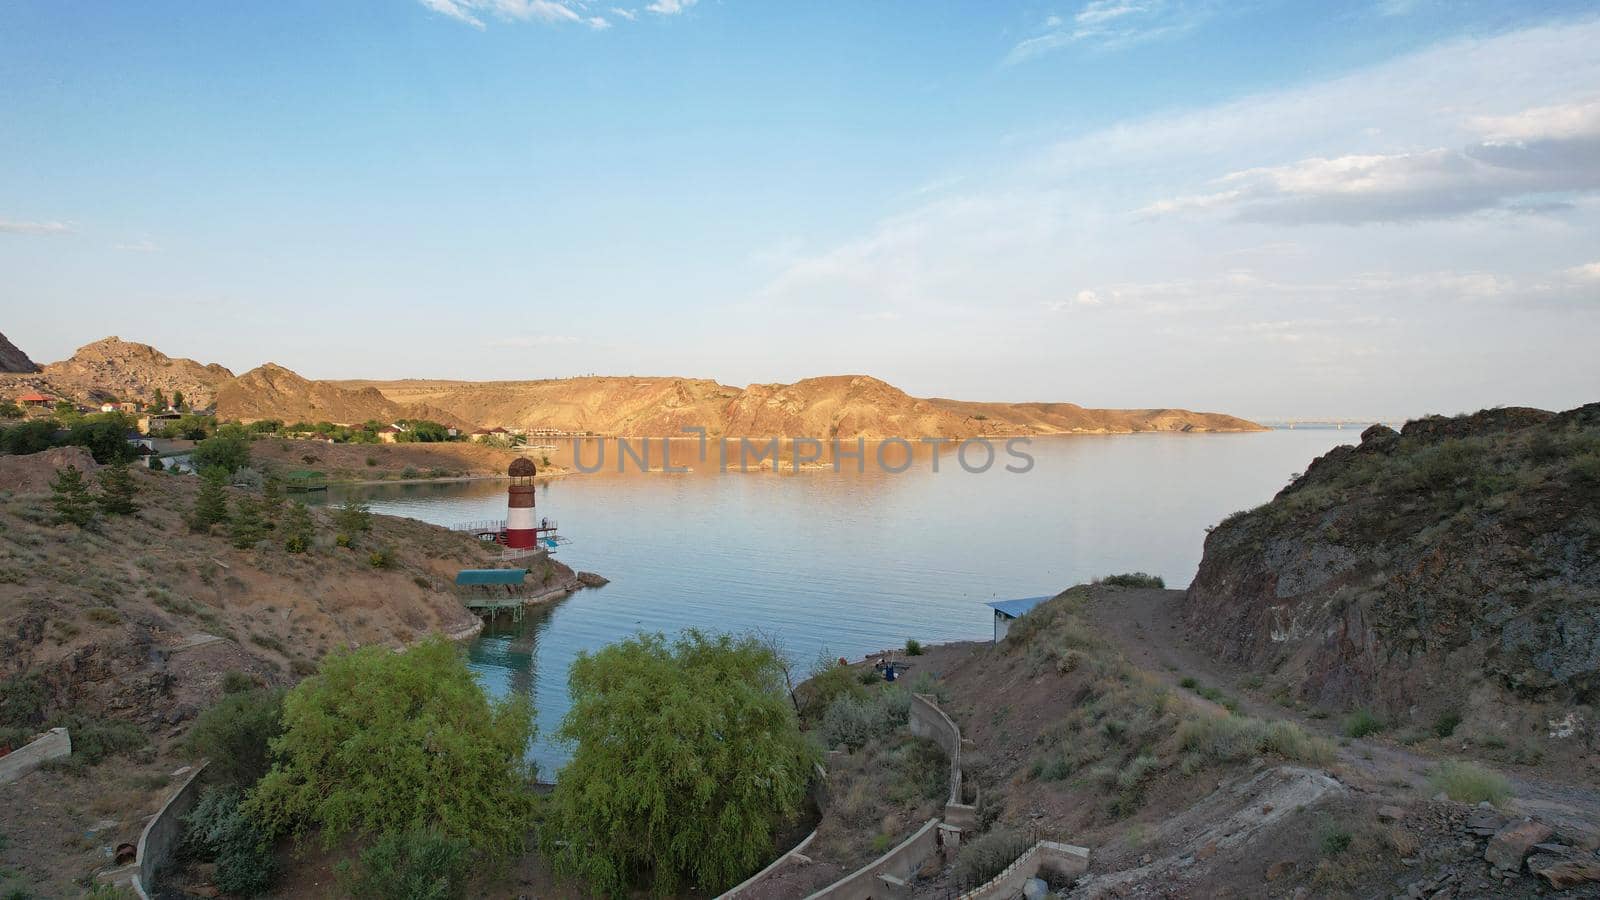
490	576
1017	608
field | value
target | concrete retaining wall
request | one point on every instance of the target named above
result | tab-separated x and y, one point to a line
1043	858
162	833
899	865
929	721
52	744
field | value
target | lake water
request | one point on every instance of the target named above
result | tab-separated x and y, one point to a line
851	562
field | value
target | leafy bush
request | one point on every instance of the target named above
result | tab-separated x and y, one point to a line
416	864
989	855
1134	580
913	647
383	741
852	720
382	558
237	682
219	829
829	680
95	738
663	785
1445	725
235	733
1361	723
1334	839
1467	782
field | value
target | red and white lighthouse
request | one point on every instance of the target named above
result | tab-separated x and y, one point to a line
522	520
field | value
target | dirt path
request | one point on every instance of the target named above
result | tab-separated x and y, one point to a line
1148	626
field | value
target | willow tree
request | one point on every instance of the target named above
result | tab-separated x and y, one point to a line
688	757
381	742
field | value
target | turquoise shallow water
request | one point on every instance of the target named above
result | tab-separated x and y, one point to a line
848	562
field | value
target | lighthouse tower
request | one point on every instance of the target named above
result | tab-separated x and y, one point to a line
522	522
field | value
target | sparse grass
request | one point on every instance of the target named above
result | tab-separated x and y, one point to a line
1466	782
268	642
103	615
1361	723
1236	738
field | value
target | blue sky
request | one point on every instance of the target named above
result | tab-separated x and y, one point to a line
1358	208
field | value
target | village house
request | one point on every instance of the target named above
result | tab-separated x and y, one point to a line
36	400
1008	611
388	434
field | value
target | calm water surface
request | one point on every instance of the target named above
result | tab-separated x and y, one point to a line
847	563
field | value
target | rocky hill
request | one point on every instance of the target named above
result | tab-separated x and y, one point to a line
116	369
845	406
1450	569
14	360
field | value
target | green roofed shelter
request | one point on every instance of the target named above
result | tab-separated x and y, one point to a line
490	577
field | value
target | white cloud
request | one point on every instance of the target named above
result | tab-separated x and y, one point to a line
10	226
670	7
1543	150
630	15
1589	272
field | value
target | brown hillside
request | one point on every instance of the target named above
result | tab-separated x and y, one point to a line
1070	418
273	392
116	369
13	359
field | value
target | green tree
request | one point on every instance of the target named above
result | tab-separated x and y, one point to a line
230	452
105	437
10	410
71	498
235	733
31	436
211	503
688	757
245	525
158	400
299	532
177	401
117	490
381	741
353	518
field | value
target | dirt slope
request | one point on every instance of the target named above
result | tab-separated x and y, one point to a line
273	392
13	359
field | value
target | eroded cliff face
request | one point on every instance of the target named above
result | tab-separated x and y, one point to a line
13	359
1454	563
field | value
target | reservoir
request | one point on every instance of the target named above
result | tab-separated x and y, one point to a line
845	563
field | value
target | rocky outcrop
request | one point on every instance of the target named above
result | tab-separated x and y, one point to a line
14	360
1459	555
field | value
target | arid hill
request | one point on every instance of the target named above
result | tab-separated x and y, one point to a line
1451	569
13	359
845	406
842	406
114	369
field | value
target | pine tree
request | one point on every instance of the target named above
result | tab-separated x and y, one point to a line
299	532
117	490
271	499
211	504
158	400
71	498
177	400
352	518
245	526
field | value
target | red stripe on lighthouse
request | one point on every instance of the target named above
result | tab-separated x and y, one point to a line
521	521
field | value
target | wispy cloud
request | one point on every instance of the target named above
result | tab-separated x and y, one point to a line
11	226
670	7
555	12
621	13
526	341
1110	25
